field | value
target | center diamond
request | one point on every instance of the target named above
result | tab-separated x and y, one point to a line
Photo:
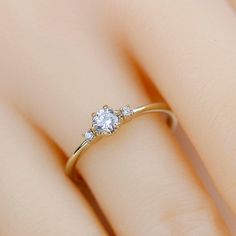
105	121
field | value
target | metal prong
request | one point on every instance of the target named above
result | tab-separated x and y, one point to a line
118	112
93	114
105	107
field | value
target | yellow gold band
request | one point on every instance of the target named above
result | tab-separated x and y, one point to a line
107	121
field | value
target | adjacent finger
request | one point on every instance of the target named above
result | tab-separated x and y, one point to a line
36	198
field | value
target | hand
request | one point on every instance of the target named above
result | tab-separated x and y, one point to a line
62	60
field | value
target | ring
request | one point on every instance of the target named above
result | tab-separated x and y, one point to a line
107	121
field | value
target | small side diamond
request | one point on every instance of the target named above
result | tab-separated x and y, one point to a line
89	135
126	111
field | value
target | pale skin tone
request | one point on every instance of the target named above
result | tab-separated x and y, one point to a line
62	60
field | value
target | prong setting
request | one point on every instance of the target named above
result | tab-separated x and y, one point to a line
107	121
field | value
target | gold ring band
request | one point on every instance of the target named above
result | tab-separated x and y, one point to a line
107	121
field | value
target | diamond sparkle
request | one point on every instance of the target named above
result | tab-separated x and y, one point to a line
89	135
105	121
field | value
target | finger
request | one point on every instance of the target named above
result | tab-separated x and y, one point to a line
36	199
155	192
189	50
233	3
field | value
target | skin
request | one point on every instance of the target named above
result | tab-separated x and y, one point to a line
62	60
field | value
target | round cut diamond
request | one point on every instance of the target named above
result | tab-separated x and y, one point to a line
126	111
105	121
89	135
